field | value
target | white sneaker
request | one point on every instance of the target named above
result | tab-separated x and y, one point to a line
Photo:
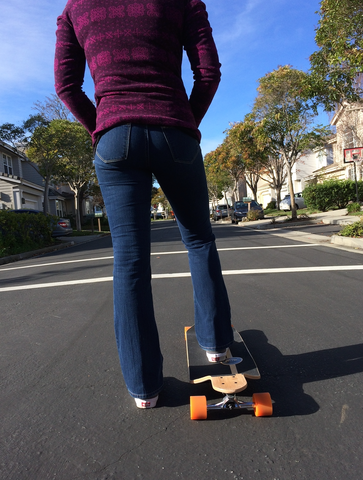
216	357
146	402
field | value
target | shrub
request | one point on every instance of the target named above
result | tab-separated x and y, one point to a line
331	193
253	215
271	205
353	207
353	230
20	232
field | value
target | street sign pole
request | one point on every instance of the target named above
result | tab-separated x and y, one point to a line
353	155
248	200
356	182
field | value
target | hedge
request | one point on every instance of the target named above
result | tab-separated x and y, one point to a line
332	193
20	232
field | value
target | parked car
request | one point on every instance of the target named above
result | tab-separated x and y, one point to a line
61	228
155	214
240	210
285	203
221	211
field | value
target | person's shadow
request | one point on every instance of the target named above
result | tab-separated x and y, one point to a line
283	376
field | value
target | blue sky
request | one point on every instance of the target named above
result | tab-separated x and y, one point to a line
253	37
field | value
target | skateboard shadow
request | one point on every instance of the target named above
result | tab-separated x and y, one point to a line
177	393
284	376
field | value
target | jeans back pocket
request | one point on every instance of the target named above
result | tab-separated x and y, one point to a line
113	145
183	147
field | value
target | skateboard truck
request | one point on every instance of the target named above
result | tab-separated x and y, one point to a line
230	402
261	404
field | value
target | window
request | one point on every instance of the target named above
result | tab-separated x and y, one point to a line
348	139
330	156
8	164
351	175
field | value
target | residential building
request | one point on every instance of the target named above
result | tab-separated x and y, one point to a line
322	164
22	186
301	172
348	124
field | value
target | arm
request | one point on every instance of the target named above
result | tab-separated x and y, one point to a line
69	68
203	57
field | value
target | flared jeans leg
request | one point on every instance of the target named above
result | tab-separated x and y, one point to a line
125	159
126	192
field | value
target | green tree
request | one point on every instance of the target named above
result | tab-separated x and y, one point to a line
13	135
218	180
229	161
76	164
287	118
337	66
159	197
247	145
46	148
18	137
33	122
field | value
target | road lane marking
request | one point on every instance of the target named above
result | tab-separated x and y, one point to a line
159	276
177	252
56	284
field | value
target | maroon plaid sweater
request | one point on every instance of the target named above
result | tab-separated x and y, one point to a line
134	51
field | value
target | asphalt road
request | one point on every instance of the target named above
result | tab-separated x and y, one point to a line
65	412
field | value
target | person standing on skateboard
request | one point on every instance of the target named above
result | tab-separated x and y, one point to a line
143	124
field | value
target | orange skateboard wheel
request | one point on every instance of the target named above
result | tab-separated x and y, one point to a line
198	408
262	404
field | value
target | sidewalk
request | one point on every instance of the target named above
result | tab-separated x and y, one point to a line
333	217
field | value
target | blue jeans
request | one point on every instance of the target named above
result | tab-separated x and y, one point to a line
126	156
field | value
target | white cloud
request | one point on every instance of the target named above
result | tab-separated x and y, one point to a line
27	44
239	24
241	27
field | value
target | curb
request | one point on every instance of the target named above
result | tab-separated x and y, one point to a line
34	253
338	221
53	248
347	241
280	224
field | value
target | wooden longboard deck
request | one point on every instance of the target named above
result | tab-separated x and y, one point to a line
201	370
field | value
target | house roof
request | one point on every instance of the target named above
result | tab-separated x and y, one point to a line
342	108
54	193
12	150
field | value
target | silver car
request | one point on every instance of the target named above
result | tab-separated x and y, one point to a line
221	211
285	204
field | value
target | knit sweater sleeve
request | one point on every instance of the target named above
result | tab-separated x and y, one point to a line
203	56
69	69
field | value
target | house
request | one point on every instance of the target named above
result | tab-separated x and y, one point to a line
61	201
322	164
301	171
348	124
22	186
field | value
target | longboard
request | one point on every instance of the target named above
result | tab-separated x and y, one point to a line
228	377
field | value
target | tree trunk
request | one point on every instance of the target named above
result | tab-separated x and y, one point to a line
225	198
235	194
291	190
77	209
46	196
